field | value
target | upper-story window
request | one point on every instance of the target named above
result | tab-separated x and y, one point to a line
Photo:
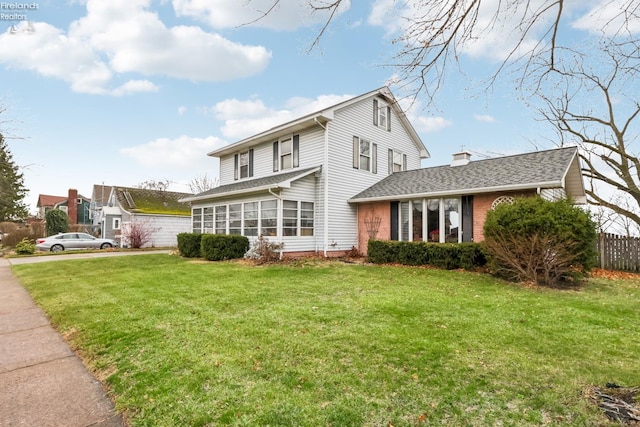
397	161
243	165
365	155
286	153
381	115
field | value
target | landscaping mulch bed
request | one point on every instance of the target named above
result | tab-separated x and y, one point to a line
613	274
618	403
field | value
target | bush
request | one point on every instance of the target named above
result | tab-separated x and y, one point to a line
441	255
57	222
189	244
25	247
540	241
263	251
218	247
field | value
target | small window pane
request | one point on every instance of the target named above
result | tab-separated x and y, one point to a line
290	218
251	219
221	220
235	219
269	217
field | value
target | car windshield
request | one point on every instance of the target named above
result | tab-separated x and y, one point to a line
85	236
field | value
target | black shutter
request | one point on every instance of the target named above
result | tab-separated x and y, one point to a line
389	119
296	151
235	166
375	112
394	220
404	162
275	156
374	158
356	152
390	161
251	162
467	218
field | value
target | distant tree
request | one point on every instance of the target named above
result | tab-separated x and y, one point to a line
152	184
593	101
12	189
57	222
203	183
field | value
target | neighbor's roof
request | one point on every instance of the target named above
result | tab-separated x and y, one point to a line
271	182
101	194
557	168
321	117
47	200
145	201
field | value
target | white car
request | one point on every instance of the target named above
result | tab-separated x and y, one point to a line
69	241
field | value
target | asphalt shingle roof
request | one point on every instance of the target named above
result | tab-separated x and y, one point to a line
247	185
500	173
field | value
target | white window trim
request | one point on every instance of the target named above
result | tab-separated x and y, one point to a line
116	224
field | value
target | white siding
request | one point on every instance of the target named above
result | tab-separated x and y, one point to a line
311	154
345	181
167	228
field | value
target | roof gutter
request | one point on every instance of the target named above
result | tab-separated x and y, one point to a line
533	186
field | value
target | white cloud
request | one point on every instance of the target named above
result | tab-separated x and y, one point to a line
182	110
126	36
484	118
422	123
286	16
246	118
493	41
430	124
183	154
609	16
133	86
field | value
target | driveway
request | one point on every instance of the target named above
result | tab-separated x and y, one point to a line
81	255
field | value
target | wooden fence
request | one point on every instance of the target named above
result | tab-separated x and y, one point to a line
618	252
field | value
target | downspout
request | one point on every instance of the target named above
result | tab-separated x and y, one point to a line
277	196
325	169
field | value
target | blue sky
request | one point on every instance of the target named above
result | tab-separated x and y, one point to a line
125	91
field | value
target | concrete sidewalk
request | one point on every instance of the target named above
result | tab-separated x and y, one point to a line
42	381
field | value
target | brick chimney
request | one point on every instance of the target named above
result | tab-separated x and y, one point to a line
72	206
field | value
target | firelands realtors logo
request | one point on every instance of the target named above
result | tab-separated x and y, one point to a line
18	13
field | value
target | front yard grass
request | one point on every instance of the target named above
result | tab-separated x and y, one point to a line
184	343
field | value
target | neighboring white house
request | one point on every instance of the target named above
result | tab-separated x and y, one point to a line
292	183
157	211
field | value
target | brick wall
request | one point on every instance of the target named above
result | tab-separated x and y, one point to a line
482	204
368	212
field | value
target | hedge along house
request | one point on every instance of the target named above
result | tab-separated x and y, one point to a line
450	203
159	212
292	183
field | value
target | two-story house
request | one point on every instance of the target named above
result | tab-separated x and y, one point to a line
332	180
292	183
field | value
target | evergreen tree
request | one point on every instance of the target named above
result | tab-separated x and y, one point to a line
12	189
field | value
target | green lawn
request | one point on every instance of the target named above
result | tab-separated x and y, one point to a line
184	343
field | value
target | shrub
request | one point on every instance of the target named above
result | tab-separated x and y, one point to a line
189	244
540	241
57	222
25	247
218	247
263	251
441	255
